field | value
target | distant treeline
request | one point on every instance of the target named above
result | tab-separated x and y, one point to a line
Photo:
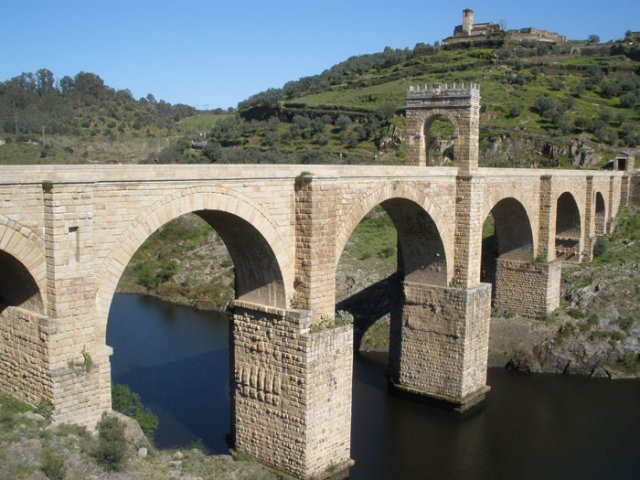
82	105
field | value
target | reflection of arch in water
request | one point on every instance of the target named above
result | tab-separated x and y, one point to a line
568	228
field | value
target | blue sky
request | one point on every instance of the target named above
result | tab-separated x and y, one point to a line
215	54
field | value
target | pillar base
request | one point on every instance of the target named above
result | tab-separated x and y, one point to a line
528	288
460	405
292	392
440	348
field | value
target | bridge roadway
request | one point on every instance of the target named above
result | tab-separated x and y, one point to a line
68	232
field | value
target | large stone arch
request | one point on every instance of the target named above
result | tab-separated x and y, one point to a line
240	224
568	227
23	267
600	214
391	196
24	332
525	209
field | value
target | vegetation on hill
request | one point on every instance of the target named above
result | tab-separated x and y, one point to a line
69	120
541	106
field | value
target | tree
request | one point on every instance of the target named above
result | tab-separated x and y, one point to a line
593	39
66	85
44	80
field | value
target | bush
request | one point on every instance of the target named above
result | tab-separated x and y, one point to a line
600	247
127	402
111	451
52	465
514	111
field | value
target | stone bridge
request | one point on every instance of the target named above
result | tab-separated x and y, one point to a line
68	232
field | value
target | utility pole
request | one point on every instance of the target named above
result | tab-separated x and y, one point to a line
16	122
44	138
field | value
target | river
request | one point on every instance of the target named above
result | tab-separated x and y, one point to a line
530	427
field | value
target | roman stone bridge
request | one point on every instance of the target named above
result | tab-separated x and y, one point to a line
68	232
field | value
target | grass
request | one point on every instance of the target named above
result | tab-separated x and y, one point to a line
374	241
202	122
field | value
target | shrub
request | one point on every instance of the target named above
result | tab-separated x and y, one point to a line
126	401
625	323
600	247
111	450
52	465
515	111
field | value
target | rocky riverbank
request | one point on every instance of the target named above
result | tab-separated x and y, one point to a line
34	449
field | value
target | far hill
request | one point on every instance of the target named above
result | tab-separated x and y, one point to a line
80	119
565	105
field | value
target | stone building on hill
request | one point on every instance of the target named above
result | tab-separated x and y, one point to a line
470	32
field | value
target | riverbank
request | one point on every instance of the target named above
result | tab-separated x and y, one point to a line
32	448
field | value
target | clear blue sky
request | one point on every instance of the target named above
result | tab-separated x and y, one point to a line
217	53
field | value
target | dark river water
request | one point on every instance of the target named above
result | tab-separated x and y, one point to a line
530	427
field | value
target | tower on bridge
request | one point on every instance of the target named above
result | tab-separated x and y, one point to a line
458	103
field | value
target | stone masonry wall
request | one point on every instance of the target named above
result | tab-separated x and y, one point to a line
444	341
24	354
330	367
529	288
292	398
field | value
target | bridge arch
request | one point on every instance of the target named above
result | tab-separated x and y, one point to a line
568	227
22	267
260	255
600	216
420	213
507	236
514	235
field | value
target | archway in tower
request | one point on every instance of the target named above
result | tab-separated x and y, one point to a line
440	141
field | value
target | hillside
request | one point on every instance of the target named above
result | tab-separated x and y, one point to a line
80	120
541	106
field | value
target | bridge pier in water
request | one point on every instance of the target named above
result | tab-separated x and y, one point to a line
291	391
440	345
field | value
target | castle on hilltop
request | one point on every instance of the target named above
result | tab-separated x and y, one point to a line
470	32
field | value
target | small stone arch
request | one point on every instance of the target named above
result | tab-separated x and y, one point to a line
568	228
600	214
460	104
22	267
260	255
390	197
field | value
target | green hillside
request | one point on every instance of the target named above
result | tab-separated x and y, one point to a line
539	102
80	120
